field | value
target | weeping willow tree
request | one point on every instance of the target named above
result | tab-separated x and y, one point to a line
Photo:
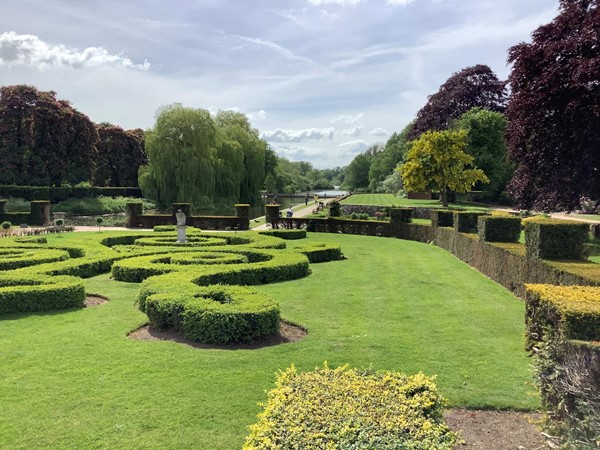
181	158
237	127
195	158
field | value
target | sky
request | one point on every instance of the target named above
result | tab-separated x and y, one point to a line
321	80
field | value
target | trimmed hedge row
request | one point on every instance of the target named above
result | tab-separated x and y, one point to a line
466	221
265	266
499	228
442	218
401	215
317	252
287	234
15	258
57	194
39	293
555	239
213	314
563	334
351	409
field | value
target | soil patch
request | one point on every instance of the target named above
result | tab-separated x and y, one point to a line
287	333
497	430
94	300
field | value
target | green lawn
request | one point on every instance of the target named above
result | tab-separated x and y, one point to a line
392	200
74	380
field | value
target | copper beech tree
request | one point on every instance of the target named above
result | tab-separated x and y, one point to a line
554	111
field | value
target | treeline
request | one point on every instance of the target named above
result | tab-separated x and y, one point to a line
44	141
538	142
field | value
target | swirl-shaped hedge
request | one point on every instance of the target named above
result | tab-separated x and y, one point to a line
194	287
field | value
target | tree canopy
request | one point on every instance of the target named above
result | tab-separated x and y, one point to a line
384	162
193	157
438	161
487	146
43	140
120	155
475	86
554	111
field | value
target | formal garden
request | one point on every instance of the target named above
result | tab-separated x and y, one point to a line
212	320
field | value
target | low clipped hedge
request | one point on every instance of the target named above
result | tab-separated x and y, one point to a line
214	314
563	335
39	293
401	215
555	239
502	228
466	221
16	258
442	218
287	234
351	409
317	252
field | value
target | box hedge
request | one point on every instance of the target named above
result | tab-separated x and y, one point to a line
284	233
555	239
466	221
500	228
442	218
317	252
351	409
401	215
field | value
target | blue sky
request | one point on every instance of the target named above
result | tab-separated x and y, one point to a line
321	80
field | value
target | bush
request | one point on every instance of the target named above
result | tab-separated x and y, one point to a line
466	221
287	234
349	408
401	215
555	239
563	330
335	209
499	228
442	218
215	314
6	226
317	252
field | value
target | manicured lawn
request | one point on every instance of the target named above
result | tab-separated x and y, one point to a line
74	380
392	200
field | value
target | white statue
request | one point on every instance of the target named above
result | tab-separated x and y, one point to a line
180	216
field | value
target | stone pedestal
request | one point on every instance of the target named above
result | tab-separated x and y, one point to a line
181	237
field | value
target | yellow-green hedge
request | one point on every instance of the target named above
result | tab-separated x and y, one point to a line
351	409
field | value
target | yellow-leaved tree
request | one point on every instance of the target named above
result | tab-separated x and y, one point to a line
437	161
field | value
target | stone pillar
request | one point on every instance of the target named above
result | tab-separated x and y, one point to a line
272	215
242	211
39	212
133	211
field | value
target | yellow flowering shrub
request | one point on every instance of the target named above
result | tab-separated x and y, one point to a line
351	409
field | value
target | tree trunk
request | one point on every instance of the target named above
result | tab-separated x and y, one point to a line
444	198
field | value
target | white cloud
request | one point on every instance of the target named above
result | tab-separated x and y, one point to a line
308	134
30	50
354	131
254	116
335	2
379	131
348	119
398	2
353	148
273	46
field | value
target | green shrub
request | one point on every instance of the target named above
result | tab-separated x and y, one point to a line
466	221
317	252
15	258
351	409
98	205
401	215
39	293
285	234
6	226
499	228
555	239
442	218
335	209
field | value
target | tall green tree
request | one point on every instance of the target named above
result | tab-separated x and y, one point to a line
487	145
357	172
181	150
438	161
384	162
